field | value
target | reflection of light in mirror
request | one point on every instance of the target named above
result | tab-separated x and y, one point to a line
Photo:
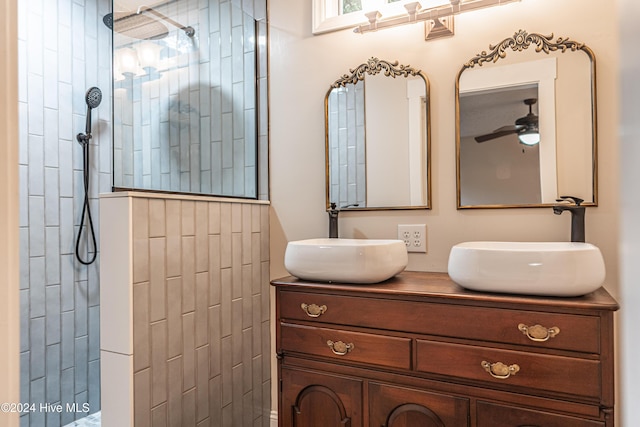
149	54
154	57
127	63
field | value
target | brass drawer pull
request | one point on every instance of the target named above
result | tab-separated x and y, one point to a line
313	310
538	333
499	370
340	348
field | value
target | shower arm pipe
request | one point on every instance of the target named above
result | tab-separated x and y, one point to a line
188	30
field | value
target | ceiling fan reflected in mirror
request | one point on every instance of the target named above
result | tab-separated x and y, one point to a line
526	127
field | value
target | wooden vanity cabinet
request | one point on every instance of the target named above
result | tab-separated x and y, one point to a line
420	351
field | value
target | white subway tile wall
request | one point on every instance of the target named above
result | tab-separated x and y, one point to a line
62	52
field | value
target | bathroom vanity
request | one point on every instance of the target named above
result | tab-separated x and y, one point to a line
419	350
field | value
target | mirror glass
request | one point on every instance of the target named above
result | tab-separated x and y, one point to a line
377	138
526	121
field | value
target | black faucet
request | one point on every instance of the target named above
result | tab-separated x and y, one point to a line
333	218
333	221
577	216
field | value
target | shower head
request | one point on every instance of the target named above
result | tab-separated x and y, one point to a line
93	97
139	25
135	25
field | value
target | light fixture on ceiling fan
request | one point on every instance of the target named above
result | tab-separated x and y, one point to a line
525	127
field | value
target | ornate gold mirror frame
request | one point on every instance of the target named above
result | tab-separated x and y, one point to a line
520	42
422	156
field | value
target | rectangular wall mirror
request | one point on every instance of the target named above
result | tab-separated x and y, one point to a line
526	124
377	138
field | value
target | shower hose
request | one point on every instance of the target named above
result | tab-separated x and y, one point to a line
86	209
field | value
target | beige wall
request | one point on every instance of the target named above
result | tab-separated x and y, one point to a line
310	63
302	66
9	258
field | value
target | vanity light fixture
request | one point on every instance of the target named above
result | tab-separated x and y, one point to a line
438	18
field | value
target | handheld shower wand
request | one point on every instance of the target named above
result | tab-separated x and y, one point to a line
93	99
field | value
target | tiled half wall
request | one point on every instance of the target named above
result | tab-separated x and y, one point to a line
185	311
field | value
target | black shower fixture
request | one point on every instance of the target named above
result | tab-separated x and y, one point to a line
93	99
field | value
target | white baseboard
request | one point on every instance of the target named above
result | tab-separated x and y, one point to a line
274	419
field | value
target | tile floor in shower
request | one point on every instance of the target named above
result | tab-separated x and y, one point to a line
92	420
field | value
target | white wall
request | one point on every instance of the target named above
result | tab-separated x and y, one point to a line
302	66
629	212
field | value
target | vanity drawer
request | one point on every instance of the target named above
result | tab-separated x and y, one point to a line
492	415
521	327
394	352
558	374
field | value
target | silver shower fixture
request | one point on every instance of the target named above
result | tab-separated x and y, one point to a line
139	25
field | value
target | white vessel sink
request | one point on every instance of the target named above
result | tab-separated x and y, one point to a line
535	268
345	260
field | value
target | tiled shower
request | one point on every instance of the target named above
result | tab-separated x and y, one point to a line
62	52
64	49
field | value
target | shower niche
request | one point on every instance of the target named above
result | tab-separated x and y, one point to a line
189	97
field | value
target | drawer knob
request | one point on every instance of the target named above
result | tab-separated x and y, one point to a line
499	370
340	348
313	310
538	333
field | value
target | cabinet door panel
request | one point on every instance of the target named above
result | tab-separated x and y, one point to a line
391	406
492	415
312	399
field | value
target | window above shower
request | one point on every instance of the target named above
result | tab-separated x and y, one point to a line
190	97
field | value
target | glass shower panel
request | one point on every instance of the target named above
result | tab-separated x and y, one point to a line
185	98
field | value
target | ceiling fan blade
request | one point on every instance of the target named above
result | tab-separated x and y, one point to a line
497	134
512	128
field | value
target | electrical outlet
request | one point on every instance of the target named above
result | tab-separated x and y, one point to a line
414	237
